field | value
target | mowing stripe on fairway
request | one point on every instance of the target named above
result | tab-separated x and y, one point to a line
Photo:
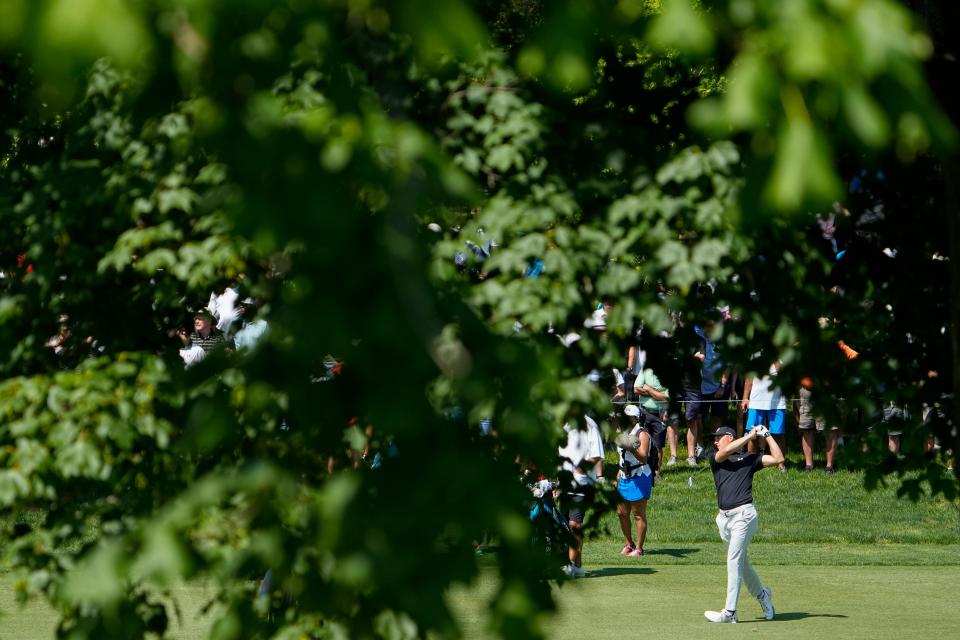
606	551
813	602
868	603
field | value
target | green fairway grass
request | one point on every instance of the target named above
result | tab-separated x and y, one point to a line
820	602
38	621
813	602
843	563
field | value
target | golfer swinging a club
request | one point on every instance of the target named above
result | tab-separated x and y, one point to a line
733	474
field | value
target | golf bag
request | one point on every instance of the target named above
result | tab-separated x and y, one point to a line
551	532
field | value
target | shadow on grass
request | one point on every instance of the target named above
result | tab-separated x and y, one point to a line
676	553
620	571
801	615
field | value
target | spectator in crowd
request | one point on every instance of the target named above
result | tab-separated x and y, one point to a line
67	349
634	480
192	355
766	406
737	520
204	334
687	344
659	352
706	391
714	391
636	359
654	399
672	421
253	328
810	423
598	319
223	307
581	457
893	419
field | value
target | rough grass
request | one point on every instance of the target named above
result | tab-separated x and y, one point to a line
796	507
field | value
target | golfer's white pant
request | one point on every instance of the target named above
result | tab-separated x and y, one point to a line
737	527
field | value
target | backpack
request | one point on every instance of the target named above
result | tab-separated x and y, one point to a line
658	439
658	434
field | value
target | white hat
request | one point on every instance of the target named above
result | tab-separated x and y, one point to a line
632	410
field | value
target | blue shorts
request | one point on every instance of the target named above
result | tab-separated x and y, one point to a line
774	419
639	487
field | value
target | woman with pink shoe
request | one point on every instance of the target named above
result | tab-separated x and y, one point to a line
634	480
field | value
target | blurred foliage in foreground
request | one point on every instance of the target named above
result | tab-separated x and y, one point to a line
155	151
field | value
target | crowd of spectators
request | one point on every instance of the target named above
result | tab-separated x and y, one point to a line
228	323
648	418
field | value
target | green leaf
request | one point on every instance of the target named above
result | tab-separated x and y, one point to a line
91	29
12	18
13	485
686	166
682	27
79	459
865	116
170	199
451	30
504	158
708	252
803	169
747	100
163	558
100	579
228	627
570	71
812	49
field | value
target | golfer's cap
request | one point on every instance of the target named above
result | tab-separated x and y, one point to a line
632	410
724	431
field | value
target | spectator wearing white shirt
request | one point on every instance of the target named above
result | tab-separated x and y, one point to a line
767	406
582	457
224	309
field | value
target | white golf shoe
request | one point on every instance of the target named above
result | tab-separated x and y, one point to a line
720	616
